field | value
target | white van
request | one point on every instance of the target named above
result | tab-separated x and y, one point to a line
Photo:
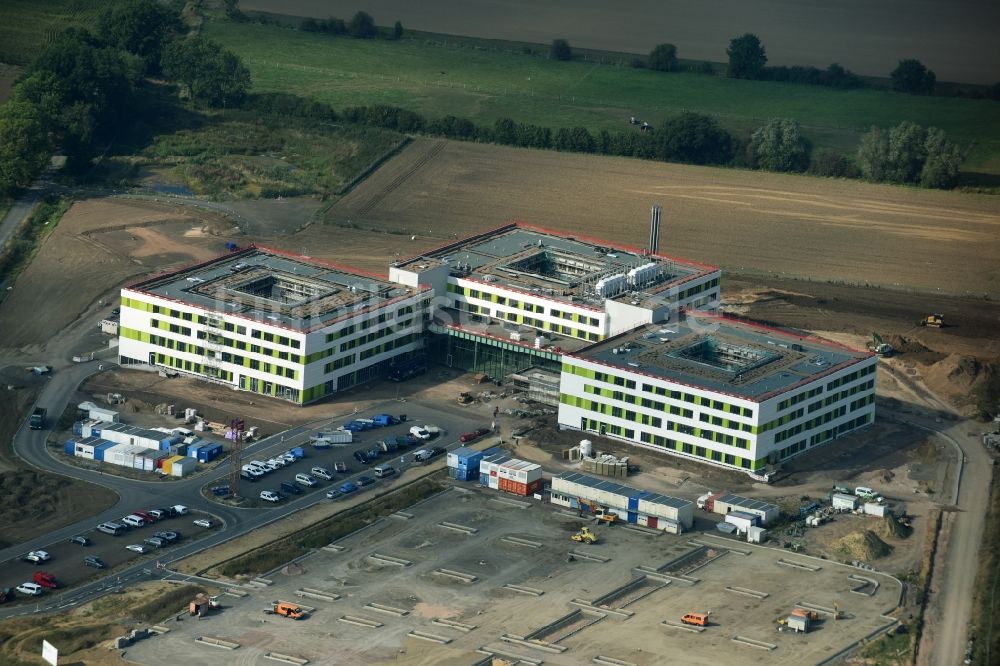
422	454
383	471
861	491
113	529
133	520
180	509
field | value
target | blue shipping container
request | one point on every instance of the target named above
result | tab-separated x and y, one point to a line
209	452
69	447
101	448
78	428
193	450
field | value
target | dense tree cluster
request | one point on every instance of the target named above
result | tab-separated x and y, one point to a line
778	146
560	50
361	26
909	153
663	58
82	87
747	57
911	76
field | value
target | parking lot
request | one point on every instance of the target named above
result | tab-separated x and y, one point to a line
471	572
67	558
283	480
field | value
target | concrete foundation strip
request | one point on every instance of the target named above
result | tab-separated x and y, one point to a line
611	661
334	548
620	612
680	625
402	515
313	593
382	608
360	621
285	658
865	582
653	573
458	528
388	559
217	642
751	642
263	581
799	565
748	592
593	557
511	502
648	531
738	551
458	575
535	645
518	541
235	592
159	629
433	638
514	658
531	591
452	624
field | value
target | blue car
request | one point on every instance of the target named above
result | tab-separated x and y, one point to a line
348	487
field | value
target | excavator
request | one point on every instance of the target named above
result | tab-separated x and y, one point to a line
880	346
585	536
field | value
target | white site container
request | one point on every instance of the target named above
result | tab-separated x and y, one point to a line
843	501
875	509
741	520
756	534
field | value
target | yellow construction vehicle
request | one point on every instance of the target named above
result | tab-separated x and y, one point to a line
584	536
465	398
933	320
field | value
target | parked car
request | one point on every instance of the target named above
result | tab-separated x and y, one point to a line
361	457
92	561
372	454
365	480
306	480
340	466
277	462
422	455
322	473
420	433
37	557
333	493
438	451
80	540
288	457
290	487
31	589
348	487
169	537
270	496
474	435
203	522
146	516
155	541
159	514
136	548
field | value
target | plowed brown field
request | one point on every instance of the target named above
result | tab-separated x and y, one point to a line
752	222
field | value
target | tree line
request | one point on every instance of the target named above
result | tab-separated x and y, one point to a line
84	86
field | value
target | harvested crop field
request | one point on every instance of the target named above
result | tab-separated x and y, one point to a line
781	225
805	32
98	245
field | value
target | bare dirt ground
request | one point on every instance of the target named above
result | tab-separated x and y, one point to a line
99	244
779	225
804	32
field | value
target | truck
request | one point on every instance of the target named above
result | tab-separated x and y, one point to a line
403	370
383	420
285	609
37	420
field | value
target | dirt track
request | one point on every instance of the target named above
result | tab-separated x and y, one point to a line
786	226
799	32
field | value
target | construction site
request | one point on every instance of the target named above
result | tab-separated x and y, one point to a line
469	575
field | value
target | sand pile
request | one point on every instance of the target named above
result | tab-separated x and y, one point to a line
890	528
865	546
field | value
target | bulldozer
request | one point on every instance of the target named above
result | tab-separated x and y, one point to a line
585	536
465	398
933	320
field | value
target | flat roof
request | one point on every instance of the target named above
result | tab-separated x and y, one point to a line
274	287
747	503
622	490
556	265
722	354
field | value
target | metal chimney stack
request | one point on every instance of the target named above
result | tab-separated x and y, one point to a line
654	230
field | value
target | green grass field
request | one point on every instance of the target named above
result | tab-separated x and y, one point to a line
436	79
30	24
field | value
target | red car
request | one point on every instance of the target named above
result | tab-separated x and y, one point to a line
146	516
474	435
45	579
